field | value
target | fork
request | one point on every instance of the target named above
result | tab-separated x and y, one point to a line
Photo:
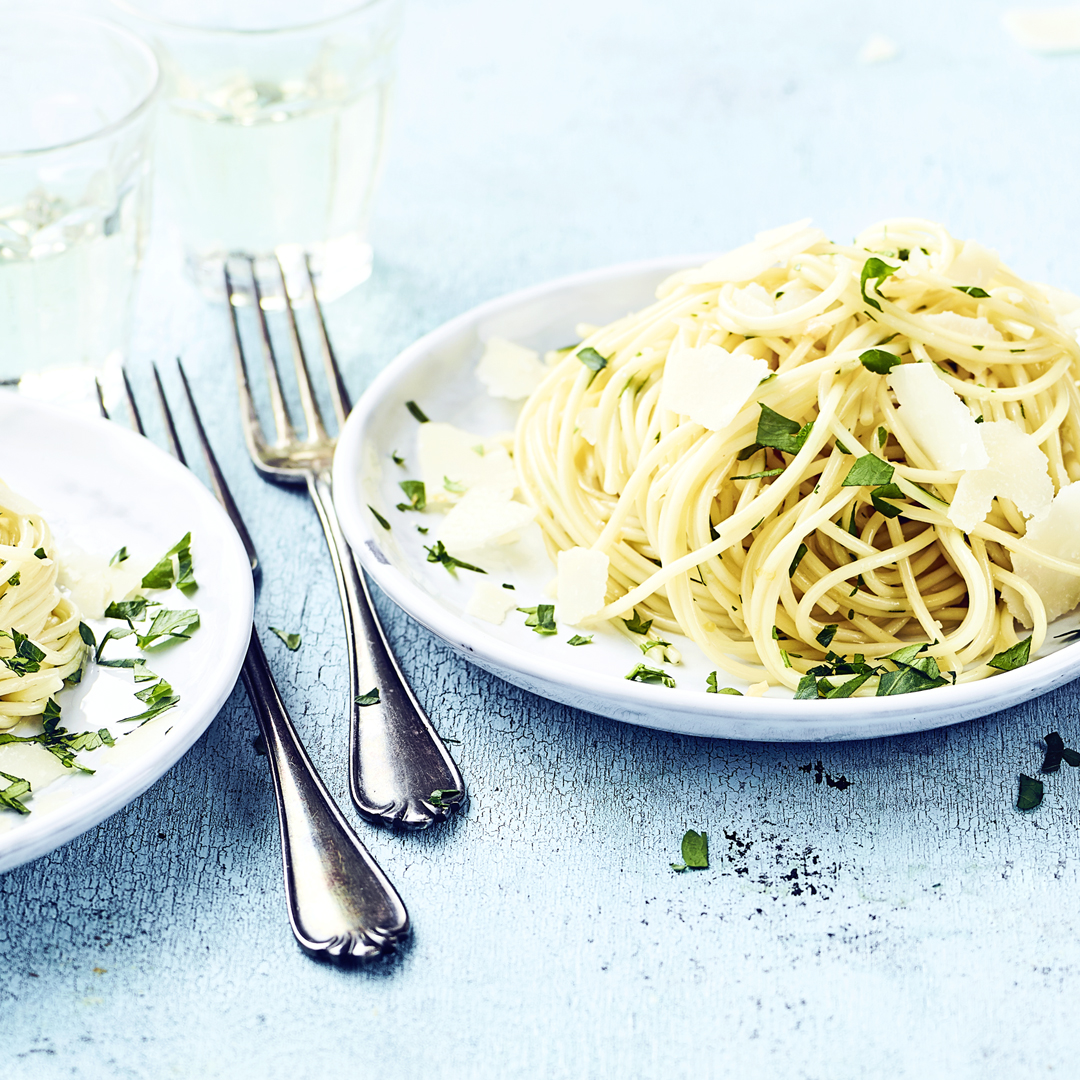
400	772
340	902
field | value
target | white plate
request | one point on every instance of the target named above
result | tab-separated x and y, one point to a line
437	372
102	487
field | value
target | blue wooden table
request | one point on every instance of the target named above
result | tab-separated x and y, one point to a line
911	924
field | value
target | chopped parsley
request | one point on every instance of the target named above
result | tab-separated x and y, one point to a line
292	641
1031	793
644	674
455	487
40	554
874	272
879	361
781	433
397	459
15	578
1012	658
712	688
439	554
415	493
128	610
16	790
759	475
637	625
441	798
162	574
868	470
972	290
824	639
417	412
157	699
379	518
580	639
119	557
799	555
541	619
370	698
695	852
592	360
167	625
27	656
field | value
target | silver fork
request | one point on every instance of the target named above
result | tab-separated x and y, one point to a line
340	902
400	773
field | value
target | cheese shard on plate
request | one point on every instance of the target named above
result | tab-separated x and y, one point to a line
484	516
952	322
509	370
937	419
1058	534
452	461
709	384
583	576
490	602
1017	470
974	265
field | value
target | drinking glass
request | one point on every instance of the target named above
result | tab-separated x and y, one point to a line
272	129
75	129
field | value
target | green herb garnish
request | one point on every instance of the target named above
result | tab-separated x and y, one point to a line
455	487
157	699
972	290
592	360
879	361
161	576
1031	793
579	639
292	641
415	493
868	470
416	411
39	553
439	554
799	555
874	272
379	518
540	619
370	698
645	674
167	625
1012	658
781	433
119	557
437	797
695	852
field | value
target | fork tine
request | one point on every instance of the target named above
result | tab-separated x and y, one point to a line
282	421
339	394
316	431
131	401
101	399
170	427
249	417
217	479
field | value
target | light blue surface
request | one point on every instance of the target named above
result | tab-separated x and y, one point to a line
914	924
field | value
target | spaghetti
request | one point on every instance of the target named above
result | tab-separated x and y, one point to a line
40	643
799	528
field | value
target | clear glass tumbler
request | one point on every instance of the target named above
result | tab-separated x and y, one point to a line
75	130
272	129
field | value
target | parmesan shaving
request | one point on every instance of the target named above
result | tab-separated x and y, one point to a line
709	384
510	371
582	588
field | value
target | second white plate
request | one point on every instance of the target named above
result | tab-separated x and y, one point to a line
437	372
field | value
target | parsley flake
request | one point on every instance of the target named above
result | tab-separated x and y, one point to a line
637	625
868	470
540	619
592	360
379	518
1012	658
292	641
695	852
1031	793
370	698
799	556
874	272
40	553
119	557
879	361
415	493
441	798
972	290
580	639
781	433
643	674
417	412
439	554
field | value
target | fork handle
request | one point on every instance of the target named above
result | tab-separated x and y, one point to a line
397	762
340	901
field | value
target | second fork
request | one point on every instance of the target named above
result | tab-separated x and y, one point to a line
400	772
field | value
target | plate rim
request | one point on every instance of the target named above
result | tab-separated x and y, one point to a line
56	827
890	715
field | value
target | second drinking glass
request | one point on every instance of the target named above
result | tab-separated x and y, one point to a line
273	122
